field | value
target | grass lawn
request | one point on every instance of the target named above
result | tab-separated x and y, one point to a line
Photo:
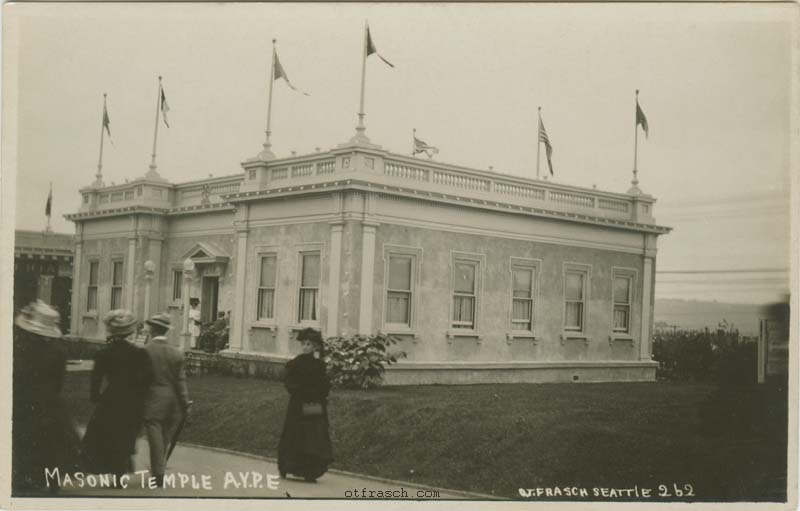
730	444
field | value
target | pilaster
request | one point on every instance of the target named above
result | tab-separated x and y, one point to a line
647	292
334	279
77	264
368	230
236	340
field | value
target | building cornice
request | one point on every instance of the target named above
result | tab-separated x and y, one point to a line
447	198
111	212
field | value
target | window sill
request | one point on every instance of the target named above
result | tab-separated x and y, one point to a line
399	332
568	336
297	328
89	315
521	334
619	336
273	327
175	305
462	332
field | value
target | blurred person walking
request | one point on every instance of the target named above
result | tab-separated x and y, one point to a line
168	397
305	446
119	383
42	431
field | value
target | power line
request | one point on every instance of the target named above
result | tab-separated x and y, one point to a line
740	270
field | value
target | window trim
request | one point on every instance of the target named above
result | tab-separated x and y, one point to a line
300	250
175	273
479	260
121	286
527	264
257	320
415	254
631	274
586	271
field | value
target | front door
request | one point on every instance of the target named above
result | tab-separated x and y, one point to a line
208	301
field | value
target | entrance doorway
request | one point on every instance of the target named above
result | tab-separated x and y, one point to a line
208	300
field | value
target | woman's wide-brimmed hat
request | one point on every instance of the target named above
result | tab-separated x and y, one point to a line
40	319
162	320
194	301
120	323
310	334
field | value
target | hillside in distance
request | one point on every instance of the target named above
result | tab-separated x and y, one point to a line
694	314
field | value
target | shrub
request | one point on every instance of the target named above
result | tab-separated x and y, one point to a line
358	362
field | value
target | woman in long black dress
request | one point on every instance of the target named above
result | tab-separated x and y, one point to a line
124	370
305	446
42	431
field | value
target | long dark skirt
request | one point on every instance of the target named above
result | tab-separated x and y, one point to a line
110	439
305	447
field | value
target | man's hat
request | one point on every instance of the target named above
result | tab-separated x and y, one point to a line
39	318
161	320
120	323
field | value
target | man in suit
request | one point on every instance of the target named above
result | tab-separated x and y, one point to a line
168	399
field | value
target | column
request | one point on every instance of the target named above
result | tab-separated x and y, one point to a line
236	341
75	320
647	291
155	296
130	271
334	279
367	277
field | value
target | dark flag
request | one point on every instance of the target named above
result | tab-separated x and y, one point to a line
548	149
49	205
422	147
371	49
281	73
164	107
106	121
641	119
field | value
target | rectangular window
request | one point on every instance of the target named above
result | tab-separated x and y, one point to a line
116	285
464	294
574	292
177	285
266	287
398	291
622	304
309	286
522	298
91	293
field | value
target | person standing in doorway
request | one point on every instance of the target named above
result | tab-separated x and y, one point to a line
168	398
194	320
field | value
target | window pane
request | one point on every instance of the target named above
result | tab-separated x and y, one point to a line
268	271
310	276
465	278
573	315
397	307
463	308
308	307
116	278
622	289
116	298
93	274
574	286
522	282
91	300
177	285
521	310
400	273
621	318
266	300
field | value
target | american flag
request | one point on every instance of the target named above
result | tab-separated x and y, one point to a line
641	119
422	147
547	147
281	73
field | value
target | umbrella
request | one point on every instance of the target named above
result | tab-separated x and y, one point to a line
178	431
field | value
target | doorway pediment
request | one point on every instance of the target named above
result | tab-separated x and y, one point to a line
206	253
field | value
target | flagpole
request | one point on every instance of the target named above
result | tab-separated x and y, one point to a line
635	141
153	172
267	152
414	143
538	142
99	181
360	129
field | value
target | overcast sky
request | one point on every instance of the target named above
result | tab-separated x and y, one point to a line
714	81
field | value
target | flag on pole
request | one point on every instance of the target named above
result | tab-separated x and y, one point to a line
371	49
49	205
548	149
164	107
422	147
641	119
281	73
106	121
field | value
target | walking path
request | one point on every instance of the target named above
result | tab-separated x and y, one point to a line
210	472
